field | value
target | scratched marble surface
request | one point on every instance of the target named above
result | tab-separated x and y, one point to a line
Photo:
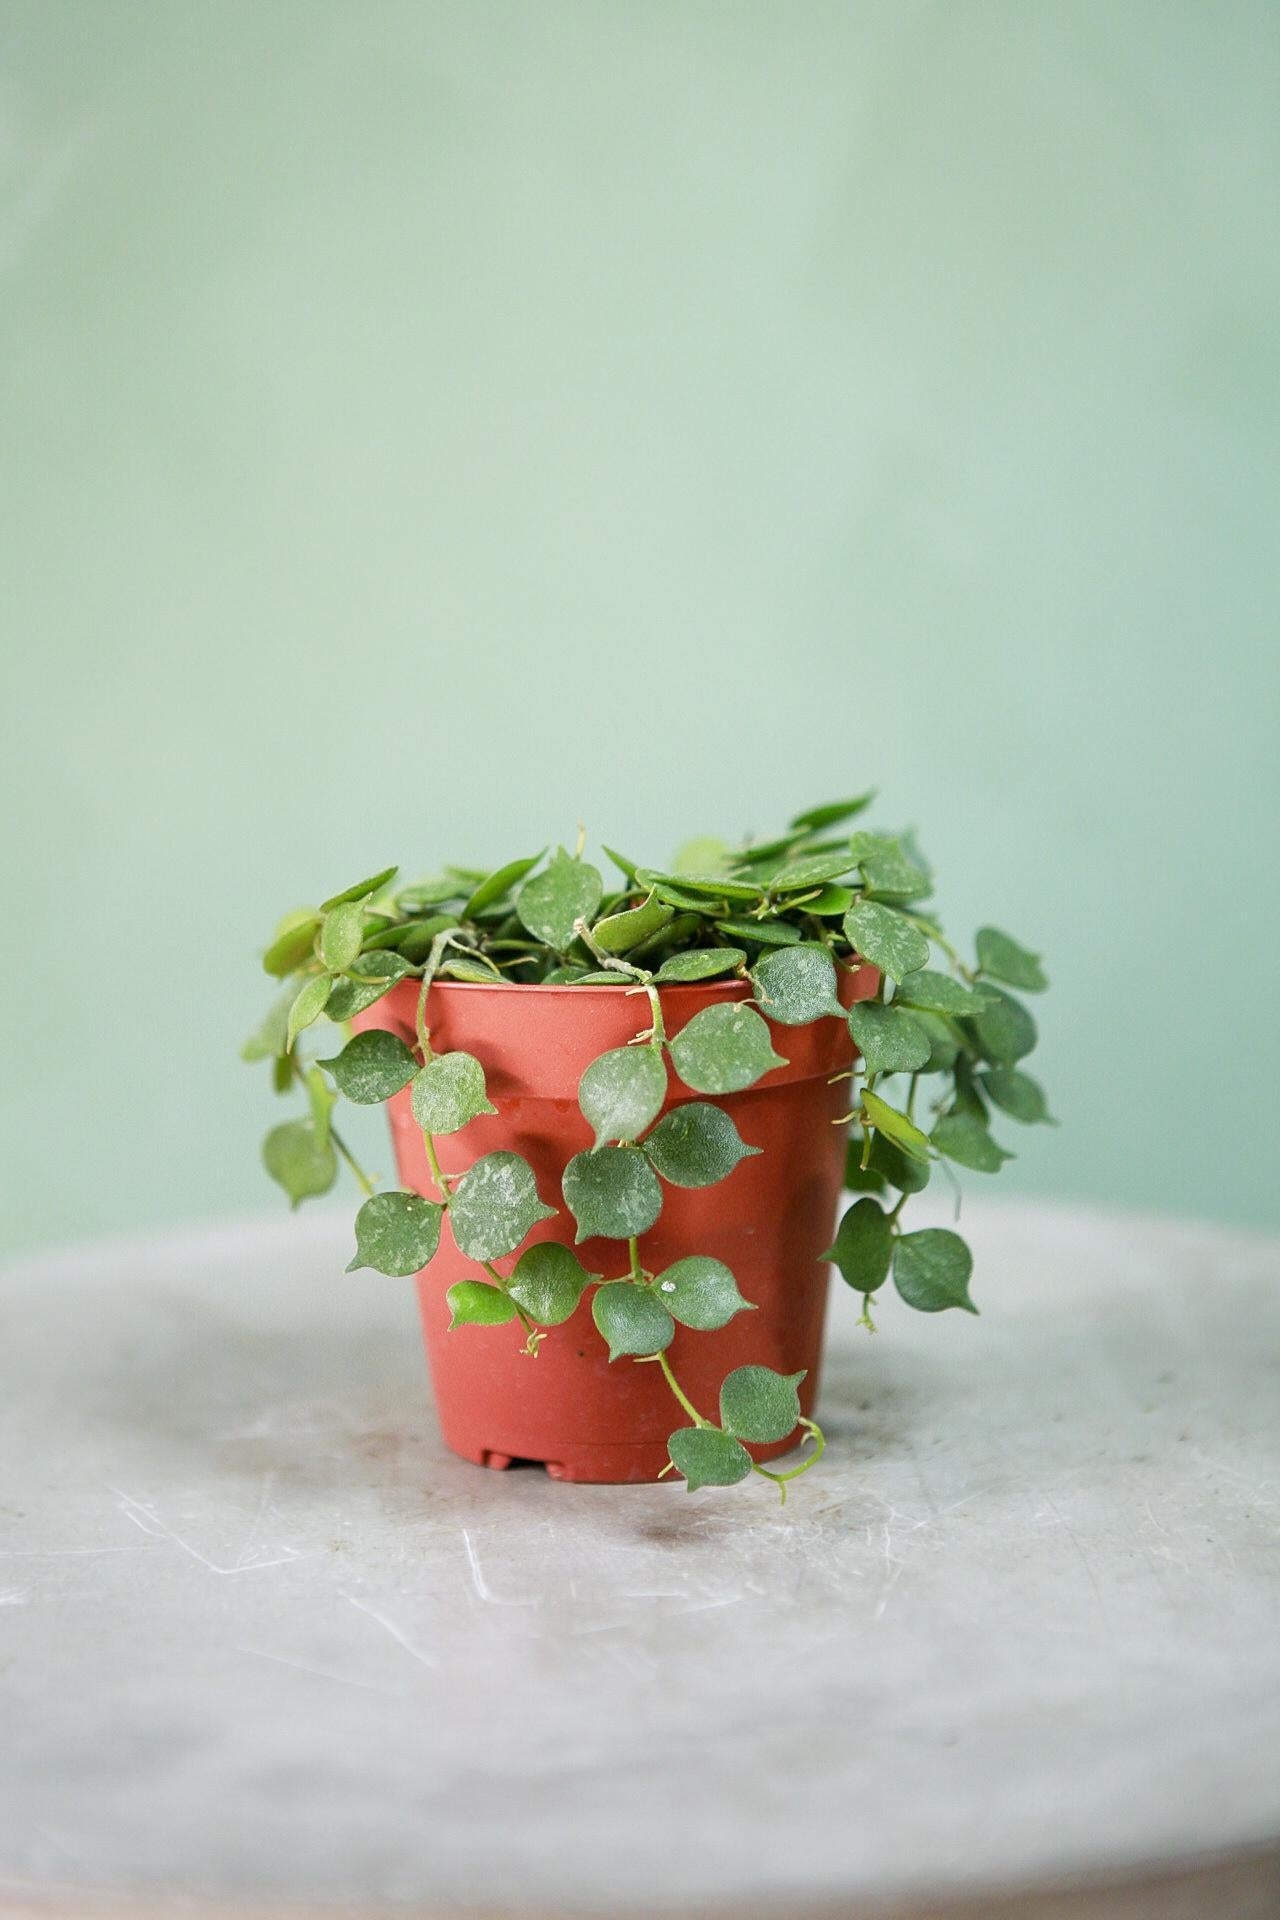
261	1636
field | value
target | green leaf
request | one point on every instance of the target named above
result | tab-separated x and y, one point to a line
887	1163
705	963
341	935
705	854
701	1293
299	1161
272	1035
632	1319
475	1303
889	1040
796	984
886	868
415	940
397	1234
549	1282
292	944
1000	955
765	933
494	1206
1004	1030
611	1192
903	1132
708	1458
1017	1094
758	1404
622	1091
696	1144
308	1005
363	889
432	892
886	937
939	993
448	1092
378	973
831	902
477	973
724	1049
962	1137
811	870
622	931
834	814
863	1246
708	886
566	891
494	885
627	868
944	1042
600	979
372	1067
931	1270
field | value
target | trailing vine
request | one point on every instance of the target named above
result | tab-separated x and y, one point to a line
787	916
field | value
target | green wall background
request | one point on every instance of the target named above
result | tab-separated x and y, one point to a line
424	425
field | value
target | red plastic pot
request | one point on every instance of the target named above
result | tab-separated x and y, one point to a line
570	1408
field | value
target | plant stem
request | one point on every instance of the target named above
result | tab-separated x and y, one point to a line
793	1473
366	1184
679	1392
441	1179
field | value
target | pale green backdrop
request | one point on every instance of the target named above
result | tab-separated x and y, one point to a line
423	425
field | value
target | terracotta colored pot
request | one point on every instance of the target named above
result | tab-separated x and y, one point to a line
569	1408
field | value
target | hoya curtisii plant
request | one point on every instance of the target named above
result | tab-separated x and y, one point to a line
938	1048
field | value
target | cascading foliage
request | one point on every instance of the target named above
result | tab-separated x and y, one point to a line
940	1046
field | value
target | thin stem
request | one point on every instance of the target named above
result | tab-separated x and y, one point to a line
780	1479
633	1250
679	1392
437	1174
366	1184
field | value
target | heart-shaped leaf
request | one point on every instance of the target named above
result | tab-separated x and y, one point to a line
619	932
299	1161
696	1144
1017	1094
708	1458
372	1067
396	1233
939	993
1004	1029
758	1404
888	1039
341	935
1000	956
701	1293
886	867
704	963
475	1303
566	891
612	1192
293	942
963	1137
724	1049
931	1270
622	1091
886	937
378	973
494	1206
549	1282
796	984
811	870
903	1132
449	1092
863	1246
309	1003
631	1319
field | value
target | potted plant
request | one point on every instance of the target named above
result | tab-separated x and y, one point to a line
623	1113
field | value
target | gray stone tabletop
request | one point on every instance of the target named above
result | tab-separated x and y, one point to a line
264	1644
